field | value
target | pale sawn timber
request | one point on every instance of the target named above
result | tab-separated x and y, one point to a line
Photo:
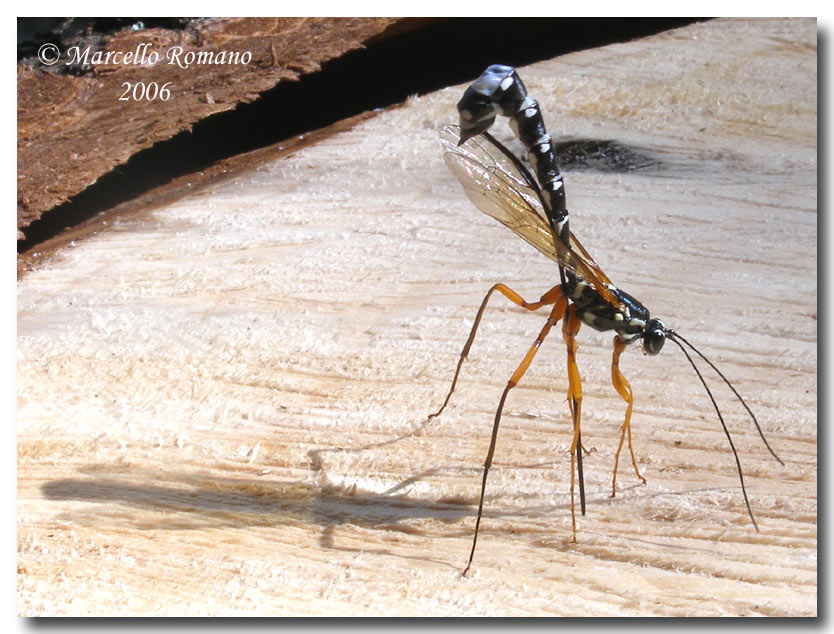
221	403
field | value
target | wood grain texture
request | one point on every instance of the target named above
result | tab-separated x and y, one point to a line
222	403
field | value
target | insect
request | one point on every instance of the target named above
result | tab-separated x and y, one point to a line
500	185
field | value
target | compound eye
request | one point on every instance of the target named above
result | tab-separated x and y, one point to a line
654	336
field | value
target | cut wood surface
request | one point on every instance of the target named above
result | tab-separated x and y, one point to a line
222	402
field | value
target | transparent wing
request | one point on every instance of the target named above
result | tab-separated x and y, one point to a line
599	274
499	189
496	187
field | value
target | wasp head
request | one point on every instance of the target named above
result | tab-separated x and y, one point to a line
654	336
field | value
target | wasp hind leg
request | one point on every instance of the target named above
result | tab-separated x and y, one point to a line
550	297
570	328
624	390
556	314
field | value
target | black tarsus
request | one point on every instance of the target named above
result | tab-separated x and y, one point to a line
579	472
487	465
674	337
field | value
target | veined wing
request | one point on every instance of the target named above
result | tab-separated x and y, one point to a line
501	190
579	250
496	187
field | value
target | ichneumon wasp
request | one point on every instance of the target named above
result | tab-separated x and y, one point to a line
500	185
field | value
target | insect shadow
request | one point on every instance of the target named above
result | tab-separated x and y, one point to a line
148	499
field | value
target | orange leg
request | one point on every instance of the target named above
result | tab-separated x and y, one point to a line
550	297
556	297
623	389
570	327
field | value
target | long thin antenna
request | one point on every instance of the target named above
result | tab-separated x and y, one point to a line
674	337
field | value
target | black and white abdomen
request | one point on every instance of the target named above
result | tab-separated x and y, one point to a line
499	90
